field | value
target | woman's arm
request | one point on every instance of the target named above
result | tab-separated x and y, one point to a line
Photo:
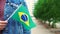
2	24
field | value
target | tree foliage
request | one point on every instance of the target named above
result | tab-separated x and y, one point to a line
47	10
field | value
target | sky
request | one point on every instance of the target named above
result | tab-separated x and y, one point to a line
30	4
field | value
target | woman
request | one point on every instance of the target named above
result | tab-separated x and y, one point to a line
12	26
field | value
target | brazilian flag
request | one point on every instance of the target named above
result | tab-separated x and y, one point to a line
22	15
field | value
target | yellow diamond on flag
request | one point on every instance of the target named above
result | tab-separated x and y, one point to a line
24	18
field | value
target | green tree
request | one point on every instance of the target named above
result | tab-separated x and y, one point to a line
48	10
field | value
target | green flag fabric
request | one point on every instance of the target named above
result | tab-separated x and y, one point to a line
22	15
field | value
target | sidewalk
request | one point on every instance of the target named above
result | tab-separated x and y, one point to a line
39	29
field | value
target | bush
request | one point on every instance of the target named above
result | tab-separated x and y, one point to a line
47	10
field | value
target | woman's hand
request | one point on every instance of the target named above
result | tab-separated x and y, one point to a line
2	24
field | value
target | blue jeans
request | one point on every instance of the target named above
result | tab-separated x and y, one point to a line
13	26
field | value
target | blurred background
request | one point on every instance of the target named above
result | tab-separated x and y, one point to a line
46	15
